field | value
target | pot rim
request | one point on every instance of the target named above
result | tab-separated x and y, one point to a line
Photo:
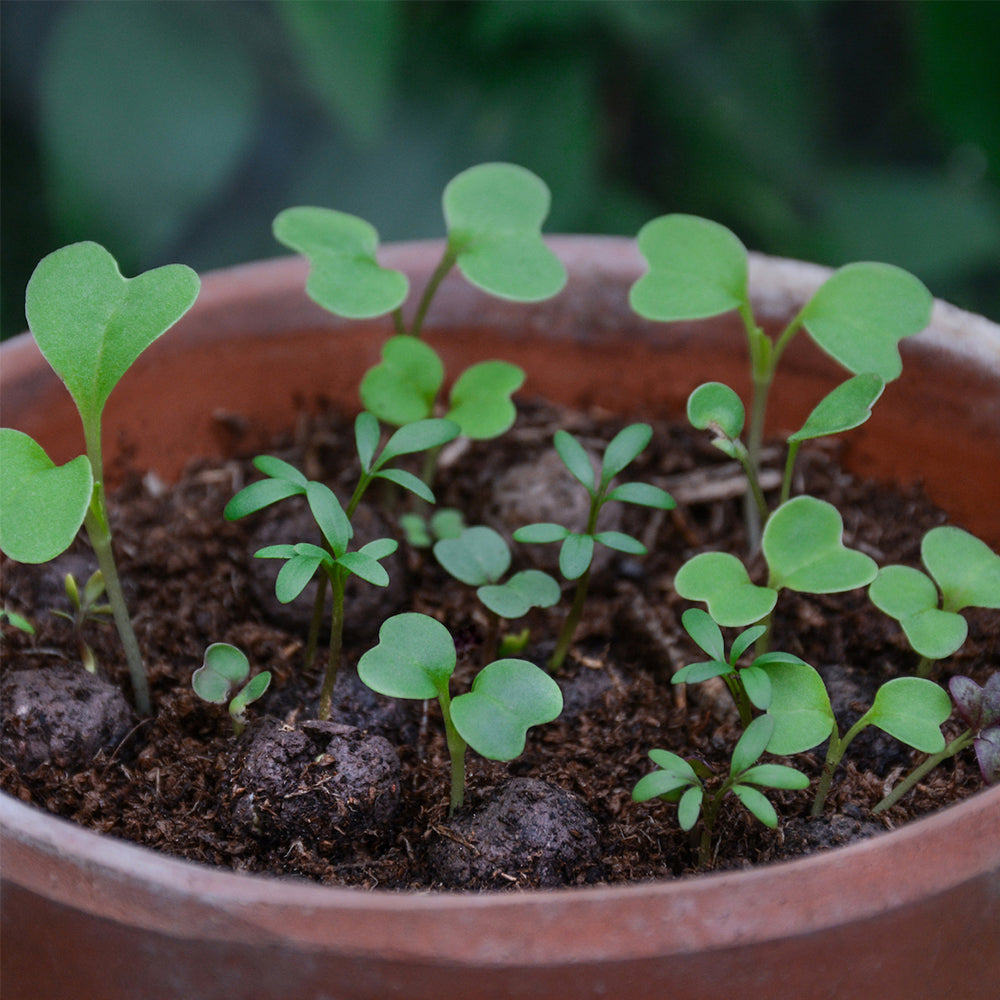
717	910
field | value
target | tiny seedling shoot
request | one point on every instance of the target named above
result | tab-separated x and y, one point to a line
963	569
85	609
577	548
698	268
415	658
225	667
697	791
91	324
331	559
493	213
480	557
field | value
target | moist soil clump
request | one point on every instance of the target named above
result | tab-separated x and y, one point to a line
180	782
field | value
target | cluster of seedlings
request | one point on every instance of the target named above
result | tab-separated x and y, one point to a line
91	324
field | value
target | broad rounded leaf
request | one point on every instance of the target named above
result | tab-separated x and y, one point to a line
722	582
697	268
846	407
480	400
223	666
91	323
478	556
966	569
414	658
912	710
344	275
531	588
800	706
803	545
254	689
42	505
494	214
403	387
862	311
508	697
714	406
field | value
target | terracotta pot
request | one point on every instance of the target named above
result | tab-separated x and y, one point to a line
913	913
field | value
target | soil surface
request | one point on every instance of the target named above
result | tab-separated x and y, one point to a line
363	799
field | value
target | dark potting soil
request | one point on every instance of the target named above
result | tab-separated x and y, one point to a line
363	800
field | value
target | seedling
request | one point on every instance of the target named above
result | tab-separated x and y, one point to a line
493	213
967	574
415	658
480	557
690	784
750	685
224	668
803	546
979	707
698	268
85	609
421	532
332	560
91	324
577	548
16	621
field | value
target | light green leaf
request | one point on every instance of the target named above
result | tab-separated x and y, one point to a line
966	569
800	705
42	505
366	438
403	387
223	667
722	582
330	516
91	323
541	533
259	495
575	458
408	481
418	436
297	572
706	633
414	658
480	400
575	555
344	275
775	776
751	744
757	803
862	311
494	214
803	545
531	588
365	566
478	556
697	268
643	494
620	542
689	807
912	710
715	406
276	468
623	448
508	697
846	407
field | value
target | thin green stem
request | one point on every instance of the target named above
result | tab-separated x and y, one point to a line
337	581
740	697
925	666
569	626
834	755
397	320
955	746
446	263
316	621
456	752
786	482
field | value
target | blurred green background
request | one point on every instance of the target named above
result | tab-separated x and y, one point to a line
831	131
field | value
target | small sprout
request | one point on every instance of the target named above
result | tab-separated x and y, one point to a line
332	560
803	546
577	548
85	609
690	784
421	532
415	658
91	324
16	621
698	269
979	708
480	557
967	574
224	668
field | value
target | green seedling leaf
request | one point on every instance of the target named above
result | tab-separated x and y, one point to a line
803	545
912	710
689	807
722	582
91	323
478	556
344	275
366	438
620	542
494	214
757	804
542	532
622	449
329	516
251	692
966	569
403	387
277	468
911	598
751	744
224	667
846	407
643	494
42	505
259	495
480	401
421	532
697	268
706	633
575	458
16	621
300	568
575	555
775	776
415	658
364	563
714	406
800	705
862	311
418	436
531	588
508	697
673	774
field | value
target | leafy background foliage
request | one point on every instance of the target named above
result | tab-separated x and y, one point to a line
823	130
